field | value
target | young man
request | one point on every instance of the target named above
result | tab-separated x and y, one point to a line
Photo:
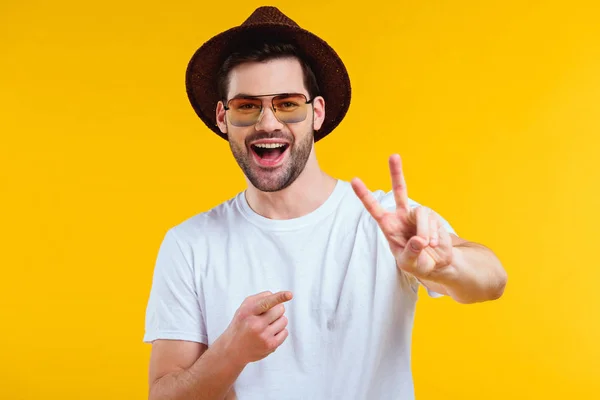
302	286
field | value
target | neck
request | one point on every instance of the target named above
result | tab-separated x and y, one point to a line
309	191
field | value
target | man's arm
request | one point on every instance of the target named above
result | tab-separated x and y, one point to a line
182	370
474	275
191	371
423	247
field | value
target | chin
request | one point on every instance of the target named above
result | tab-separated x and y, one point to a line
272	164
271	180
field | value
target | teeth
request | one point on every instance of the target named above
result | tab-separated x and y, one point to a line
269	145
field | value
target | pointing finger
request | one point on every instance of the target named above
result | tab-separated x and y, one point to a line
368	200
266	303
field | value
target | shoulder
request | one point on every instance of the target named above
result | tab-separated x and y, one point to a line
186	244
210	223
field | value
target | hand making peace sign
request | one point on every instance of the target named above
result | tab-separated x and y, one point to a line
417	237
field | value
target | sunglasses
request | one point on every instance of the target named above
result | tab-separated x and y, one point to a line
288	108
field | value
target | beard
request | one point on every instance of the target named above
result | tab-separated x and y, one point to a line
273	180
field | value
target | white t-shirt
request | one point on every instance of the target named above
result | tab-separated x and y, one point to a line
351	318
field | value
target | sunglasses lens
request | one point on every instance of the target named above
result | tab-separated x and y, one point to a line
244	112
290	108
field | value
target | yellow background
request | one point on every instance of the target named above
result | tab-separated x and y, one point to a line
494	106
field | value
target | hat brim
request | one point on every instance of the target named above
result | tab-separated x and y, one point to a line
330	71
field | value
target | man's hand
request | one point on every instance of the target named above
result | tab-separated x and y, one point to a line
417	237
258	327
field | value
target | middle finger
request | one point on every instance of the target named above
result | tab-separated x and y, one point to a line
274	313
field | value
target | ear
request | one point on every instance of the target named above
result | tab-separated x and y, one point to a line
319	112
220	114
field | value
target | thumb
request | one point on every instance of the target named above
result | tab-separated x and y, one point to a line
411	252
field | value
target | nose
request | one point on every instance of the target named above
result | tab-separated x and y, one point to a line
268	122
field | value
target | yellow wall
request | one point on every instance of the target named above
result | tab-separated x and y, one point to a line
494	106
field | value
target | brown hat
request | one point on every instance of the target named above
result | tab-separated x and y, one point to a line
268	22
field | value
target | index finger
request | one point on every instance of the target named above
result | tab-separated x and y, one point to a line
268	302
368	200
398	182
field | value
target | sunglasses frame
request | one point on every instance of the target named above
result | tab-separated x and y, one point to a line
275	95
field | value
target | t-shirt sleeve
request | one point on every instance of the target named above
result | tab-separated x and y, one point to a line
174	308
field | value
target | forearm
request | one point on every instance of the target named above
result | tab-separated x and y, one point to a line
475	274
211	377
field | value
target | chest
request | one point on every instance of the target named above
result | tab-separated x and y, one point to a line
339	274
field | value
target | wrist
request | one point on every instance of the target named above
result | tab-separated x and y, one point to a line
225	347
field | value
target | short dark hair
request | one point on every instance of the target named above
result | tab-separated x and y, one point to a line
265	51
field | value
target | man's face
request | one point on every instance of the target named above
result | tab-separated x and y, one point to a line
271	153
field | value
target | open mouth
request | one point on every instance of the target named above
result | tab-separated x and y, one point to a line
269	154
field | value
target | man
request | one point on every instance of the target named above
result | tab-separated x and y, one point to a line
302	286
